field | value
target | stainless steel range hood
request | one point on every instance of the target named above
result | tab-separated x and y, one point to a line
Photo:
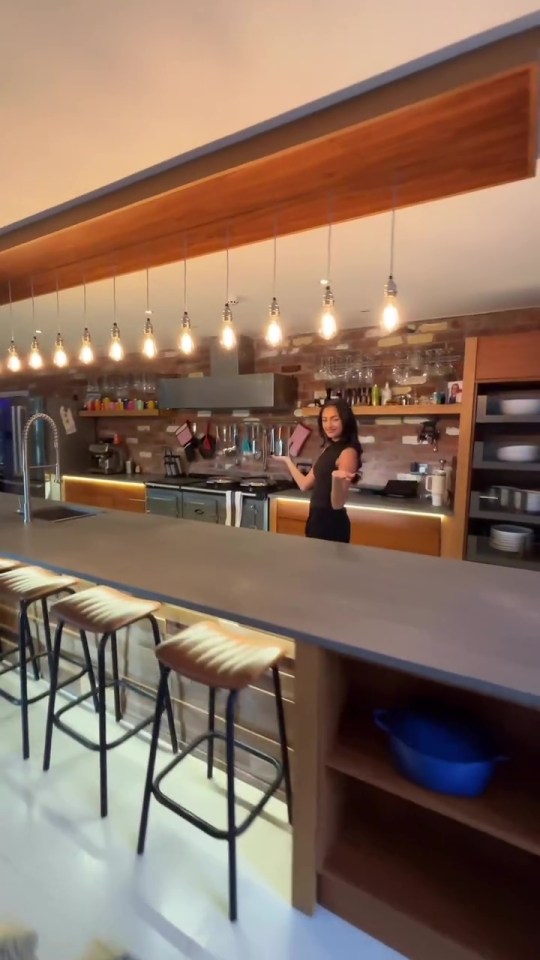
232	385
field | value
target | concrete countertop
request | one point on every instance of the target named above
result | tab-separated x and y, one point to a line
474	625
370	501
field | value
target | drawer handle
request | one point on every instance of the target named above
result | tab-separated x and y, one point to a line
198	510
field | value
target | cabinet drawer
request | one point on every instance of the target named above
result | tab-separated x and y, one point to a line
164	503
209	509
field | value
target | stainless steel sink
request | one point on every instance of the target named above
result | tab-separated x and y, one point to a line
59	513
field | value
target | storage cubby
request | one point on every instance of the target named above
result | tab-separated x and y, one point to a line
506	415
433	876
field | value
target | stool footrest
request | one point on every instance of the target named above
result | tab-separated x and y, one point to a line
85	741
199	822
16	701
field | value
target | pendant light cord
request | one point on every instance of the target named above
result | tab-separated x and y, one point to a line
227	271
185	274
329	242
275	261
11	311
84	298
57	306
392	237
33	306
114	297
148	311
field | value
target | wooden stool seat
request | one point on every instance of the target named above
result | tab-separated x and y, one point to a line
32	583
102	610
209	653
6	564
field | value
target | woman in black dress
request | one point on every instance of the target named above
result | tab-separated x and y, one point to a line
331	476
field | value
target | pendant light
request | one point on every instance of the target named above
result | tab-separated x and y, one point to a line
35	359
228	333
86	353
60	357
13	363
274	333
116	350
327	322
149	347
186	343
390	314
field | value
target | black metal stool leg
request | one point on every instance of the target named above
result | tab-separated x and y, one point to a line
103	798
231	811
30	644
53	683
168	703
47	629
23	679
283	741
116	678
160	705
211	729
89	669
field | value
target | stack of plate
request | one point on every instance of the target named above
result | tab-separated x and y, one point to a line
510	538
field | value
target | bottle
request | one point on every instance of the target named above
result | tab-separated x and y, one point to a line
375	396
386	393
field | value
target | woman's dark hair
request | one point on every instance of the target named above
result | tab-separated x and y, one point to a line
350	429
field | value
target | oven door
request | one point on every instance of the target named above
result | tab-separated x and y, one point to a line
254	512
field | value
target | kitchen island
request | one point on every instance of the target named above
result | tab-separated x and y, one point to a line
431	876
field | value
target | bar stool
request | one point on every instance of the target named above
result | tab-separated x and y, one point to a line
23	586
104	611
221	660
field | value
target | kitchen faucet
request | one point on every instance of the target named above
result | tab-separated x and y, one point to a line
27	510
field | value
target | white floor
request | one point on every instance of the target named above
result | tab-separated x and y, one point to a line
73	877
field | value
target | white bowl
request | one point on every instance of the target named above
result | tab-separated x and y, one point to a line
526	406
509	537
519	453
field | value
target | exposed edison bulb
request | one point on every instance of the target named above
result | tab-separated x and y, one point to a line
390	315
328	323
60	357
86	354
274	333
186	343
13	361
149	347
35	360
228	335
116	350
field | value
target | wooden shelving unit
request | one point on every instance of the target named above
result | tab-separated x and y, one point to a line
120	414
507	811
428	892
433	876
394	410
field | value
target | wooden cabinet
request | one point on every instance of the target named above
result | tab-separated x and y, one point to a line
409	532
106	494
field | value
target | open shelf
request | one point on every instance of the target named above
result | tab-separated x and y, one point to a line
431	893
479	550
428	410
507	418
509	810
505	516
120	414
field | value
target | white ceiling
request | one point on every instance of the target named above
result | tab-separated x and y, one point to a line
96	91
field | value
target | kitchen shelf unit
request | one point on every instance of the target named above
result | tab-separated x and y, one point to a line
428	410
493	428
430	875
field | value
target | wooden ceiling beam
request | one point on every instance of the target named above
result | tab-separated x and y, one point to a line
466	124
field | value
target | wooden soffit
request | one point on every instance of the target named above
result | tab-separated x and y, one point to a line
464	124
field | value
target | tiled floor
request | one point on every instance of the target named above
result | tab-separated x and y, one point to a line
73	877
